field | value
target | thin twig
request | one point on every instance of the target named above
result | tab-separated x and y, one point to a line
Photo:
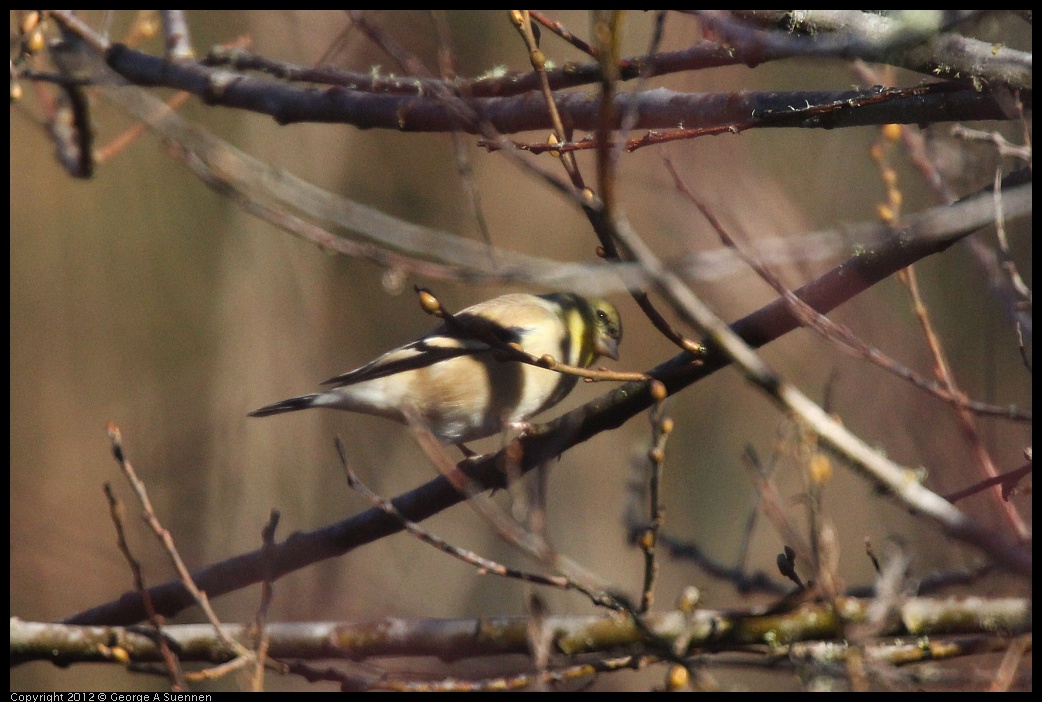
484	565
167	540
559	29
523	22
170	661
260	622
661	428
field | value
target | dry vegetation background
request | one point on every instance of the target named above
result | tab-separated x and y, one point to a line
142	297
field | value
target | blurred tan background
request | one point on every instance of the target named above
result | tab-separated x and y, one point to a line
144	298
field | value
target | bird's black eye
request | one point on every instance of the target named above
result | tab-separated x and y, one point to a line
602	315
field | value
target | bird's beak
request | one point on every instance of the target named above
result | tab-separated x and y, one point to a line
608	347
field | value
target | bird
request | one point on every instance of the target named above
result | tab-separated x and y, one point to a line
457	382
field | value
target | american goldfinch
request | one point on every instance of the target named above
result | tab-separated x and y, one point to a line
461	388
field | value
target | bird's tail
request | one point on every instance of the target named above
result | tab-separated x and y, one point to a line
291	405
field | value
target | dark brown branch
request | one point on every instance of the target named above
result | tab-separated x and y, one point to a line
658	109
962	56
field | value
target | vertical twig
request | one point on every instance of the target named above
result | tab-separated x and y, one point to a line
170	660
523	22
661	427
149	515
